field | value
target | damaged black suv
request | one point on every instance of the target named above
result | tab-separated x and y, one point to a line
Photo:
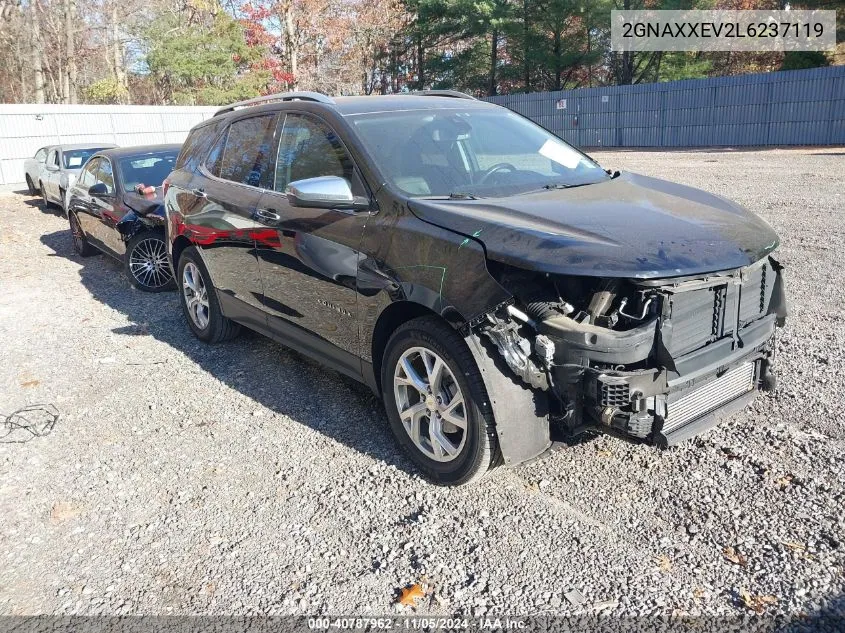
495	286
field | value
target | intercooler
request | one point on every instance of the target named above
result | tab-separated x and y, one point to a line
702	400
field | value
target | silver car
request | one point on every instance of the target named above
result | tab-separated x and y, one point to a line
63	164
33	167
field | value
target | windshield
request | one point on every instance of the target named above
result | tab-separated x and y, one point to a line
470	153
76	158
146	169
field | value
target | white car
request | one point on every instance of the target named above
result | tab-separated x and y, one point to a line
63	164
33	168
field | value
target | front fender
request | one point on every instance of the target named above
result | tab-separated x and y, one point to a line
407	259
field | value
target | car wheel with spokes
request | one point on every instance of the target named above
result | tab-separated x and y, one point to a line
437	403
199	300
146	263
80	242
33	190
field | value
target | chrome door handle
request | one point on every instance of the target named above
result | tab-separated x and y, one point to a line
268	215
200	193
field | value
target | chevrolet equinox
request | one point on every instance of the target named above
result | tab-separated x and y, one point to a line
493	285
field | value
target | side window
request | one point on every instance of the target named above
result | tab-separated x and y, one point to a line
41	155
53	158
212	162
89	173
308	148
105	175
246	156
196	146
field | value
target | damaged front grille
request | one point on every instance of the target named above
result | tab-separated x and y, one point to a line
700	316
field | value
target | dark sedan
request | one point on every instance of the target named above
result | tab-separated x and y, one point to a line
115	207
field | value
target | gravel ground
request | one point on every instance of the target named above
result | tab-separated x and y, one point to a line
243	478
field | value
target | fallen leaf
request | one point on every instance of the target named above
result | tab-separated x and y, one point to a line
699	593
756	603
31	383
784	481
734	556
603	452
796	546
663	562
411	594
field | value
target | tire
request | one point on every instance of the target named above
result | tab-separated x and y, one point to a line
474	450
33	190
80	242
62	202
146	262
216	328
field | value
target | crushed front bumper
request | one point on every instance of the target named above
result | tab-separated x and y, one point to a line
617	384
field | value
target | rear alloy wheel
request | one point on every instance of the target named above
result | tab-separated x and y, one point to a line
62	202
199	300
146	263
437	403
31	186
80	242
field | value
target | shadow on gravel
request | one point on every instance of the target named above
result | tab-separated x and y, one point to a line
274	376
38	203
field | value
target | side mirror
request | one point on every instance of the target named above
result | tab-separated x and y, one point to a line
324	192
98	190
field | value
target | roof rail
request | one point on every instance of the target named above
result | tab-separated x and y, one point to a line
282	96
455	94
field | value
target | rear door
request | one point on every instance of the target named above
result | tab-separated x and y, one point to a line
221	220
309	257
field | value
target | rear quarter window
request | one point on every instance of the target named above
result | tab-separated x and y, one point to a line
196	146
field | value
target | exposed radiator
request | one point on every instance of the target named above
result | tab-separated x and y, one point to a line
703	316
709	397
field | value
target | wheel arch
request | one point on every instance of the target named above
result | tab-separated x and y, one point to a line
177	247
391	319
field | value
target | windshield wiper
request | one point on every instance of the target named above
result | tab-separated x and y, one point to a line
455	195
559	185
554	186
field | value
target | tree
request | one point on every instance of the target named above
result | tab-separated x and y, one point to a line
204	61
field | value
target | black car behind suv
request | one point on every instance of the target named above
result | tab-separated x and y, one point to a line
492	284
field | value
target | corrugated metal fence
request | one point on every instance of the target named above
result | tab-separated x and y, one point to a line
27	127
802	107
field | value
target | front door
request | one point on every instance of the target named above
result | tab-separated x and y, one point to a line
109	210
309	267
87	207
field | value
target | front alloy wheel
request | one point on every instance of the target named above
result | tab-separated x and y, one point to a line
146	261
437	402
430	403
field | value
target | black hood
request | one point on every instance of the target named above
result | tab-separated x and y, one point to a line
631	226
